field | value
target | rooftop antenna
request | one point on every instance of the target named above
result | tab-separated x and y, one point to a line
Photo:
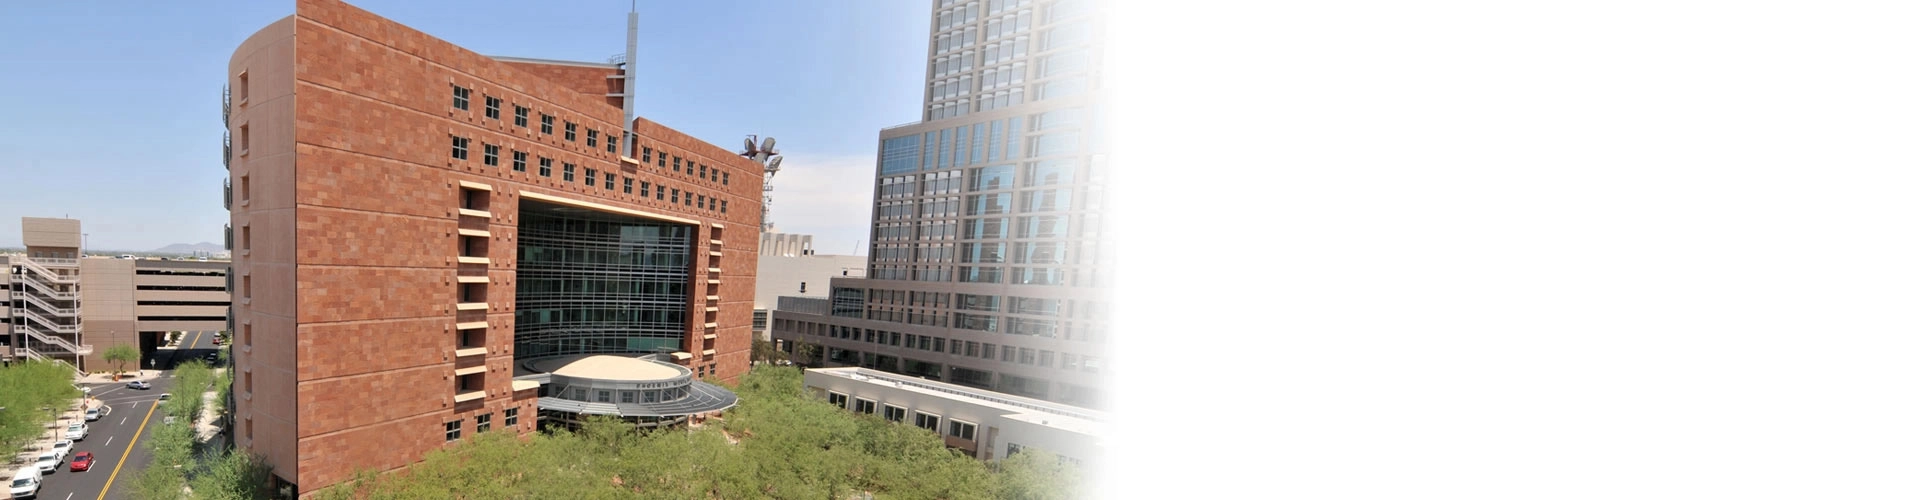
628	80
767	157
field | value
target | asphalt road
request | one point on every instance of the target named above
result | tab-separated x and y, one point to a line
131	412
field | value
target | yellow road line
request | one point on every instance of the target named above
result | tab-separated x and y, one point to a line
123	455
196	339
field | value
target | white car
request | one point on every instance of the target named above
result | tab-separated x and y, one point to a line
26	483
93	414
77	431
63	447
48	462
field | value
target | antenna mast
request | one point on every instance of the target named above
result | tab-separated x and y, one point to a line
764	154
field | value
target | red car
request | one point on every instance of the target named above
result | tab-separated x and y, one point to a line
81	461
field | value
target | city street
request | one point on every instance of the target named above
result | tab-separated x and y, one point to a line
129	417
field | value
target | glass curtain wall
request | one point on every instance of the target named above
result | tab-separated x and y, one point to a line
593	282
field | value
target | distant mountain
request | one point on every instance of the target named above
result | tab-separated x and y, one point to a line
183	248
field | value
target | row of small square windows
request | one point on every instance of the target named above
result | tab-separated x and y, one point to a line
491	157
483	423
461	99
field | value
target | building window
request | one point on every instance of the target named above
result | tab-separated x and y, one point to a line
609	184
591	175
603	396
626	397
490	154
453	430
703	202
837	399
512	418
661	194
723	206
703	172
610	144
676	196
493	107
482	423
626	185
644	188
646	154
460	95
566	172
926	421
676	164
959	429
519	161
459	148
546	167
662	160
1013	449
593	138
520	116
725	178
570	136
894	413
863	406
546	124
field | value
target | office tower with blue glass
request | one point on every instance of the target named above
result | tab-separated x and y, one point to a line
989	259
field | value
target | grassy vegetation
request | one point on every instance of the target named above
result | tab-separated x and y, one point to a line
26	388
776	444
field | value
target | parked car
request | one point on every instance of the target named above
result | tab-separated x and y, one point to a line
81	461
139	384
77	431
63	447
47	462
166	396
93	414
26	483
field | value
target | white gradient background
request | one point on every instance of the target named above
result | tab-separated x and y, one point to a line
1518	250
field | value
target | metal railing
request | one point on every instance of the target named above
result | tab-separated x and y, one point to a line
57	311
226	105
36	356
50	325
226	186
226	150
229	239
63	344
34	264
50	292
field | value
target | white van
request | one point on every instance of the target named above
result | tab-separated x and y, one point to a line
26	483
126	256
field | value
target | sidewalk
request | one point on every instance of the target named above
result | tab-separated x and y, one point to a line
129	376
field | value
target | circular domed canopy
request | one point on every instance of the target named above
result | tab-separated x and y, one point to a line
606	367
625	386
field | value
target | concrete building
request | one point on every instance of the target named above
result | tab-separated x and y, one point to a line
785	245
69	309
986	425
805	275
990	257
419	228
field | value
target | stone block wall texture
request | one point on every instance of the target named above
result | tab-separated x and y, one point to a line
354	222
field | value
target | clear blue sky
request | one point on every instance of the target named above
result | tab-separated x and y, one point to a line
112	107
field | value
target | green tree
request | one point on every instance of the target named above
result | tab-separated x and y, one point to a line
119	355
765	352
777	443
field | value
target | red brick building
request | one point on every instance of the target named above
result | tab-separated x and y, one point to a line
380	181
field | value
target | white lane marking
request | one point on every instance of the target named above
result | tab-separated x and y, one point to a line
109	441
69	496
123	420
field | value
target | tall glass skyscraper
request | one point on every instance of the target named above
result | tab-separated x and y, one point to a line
989	260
